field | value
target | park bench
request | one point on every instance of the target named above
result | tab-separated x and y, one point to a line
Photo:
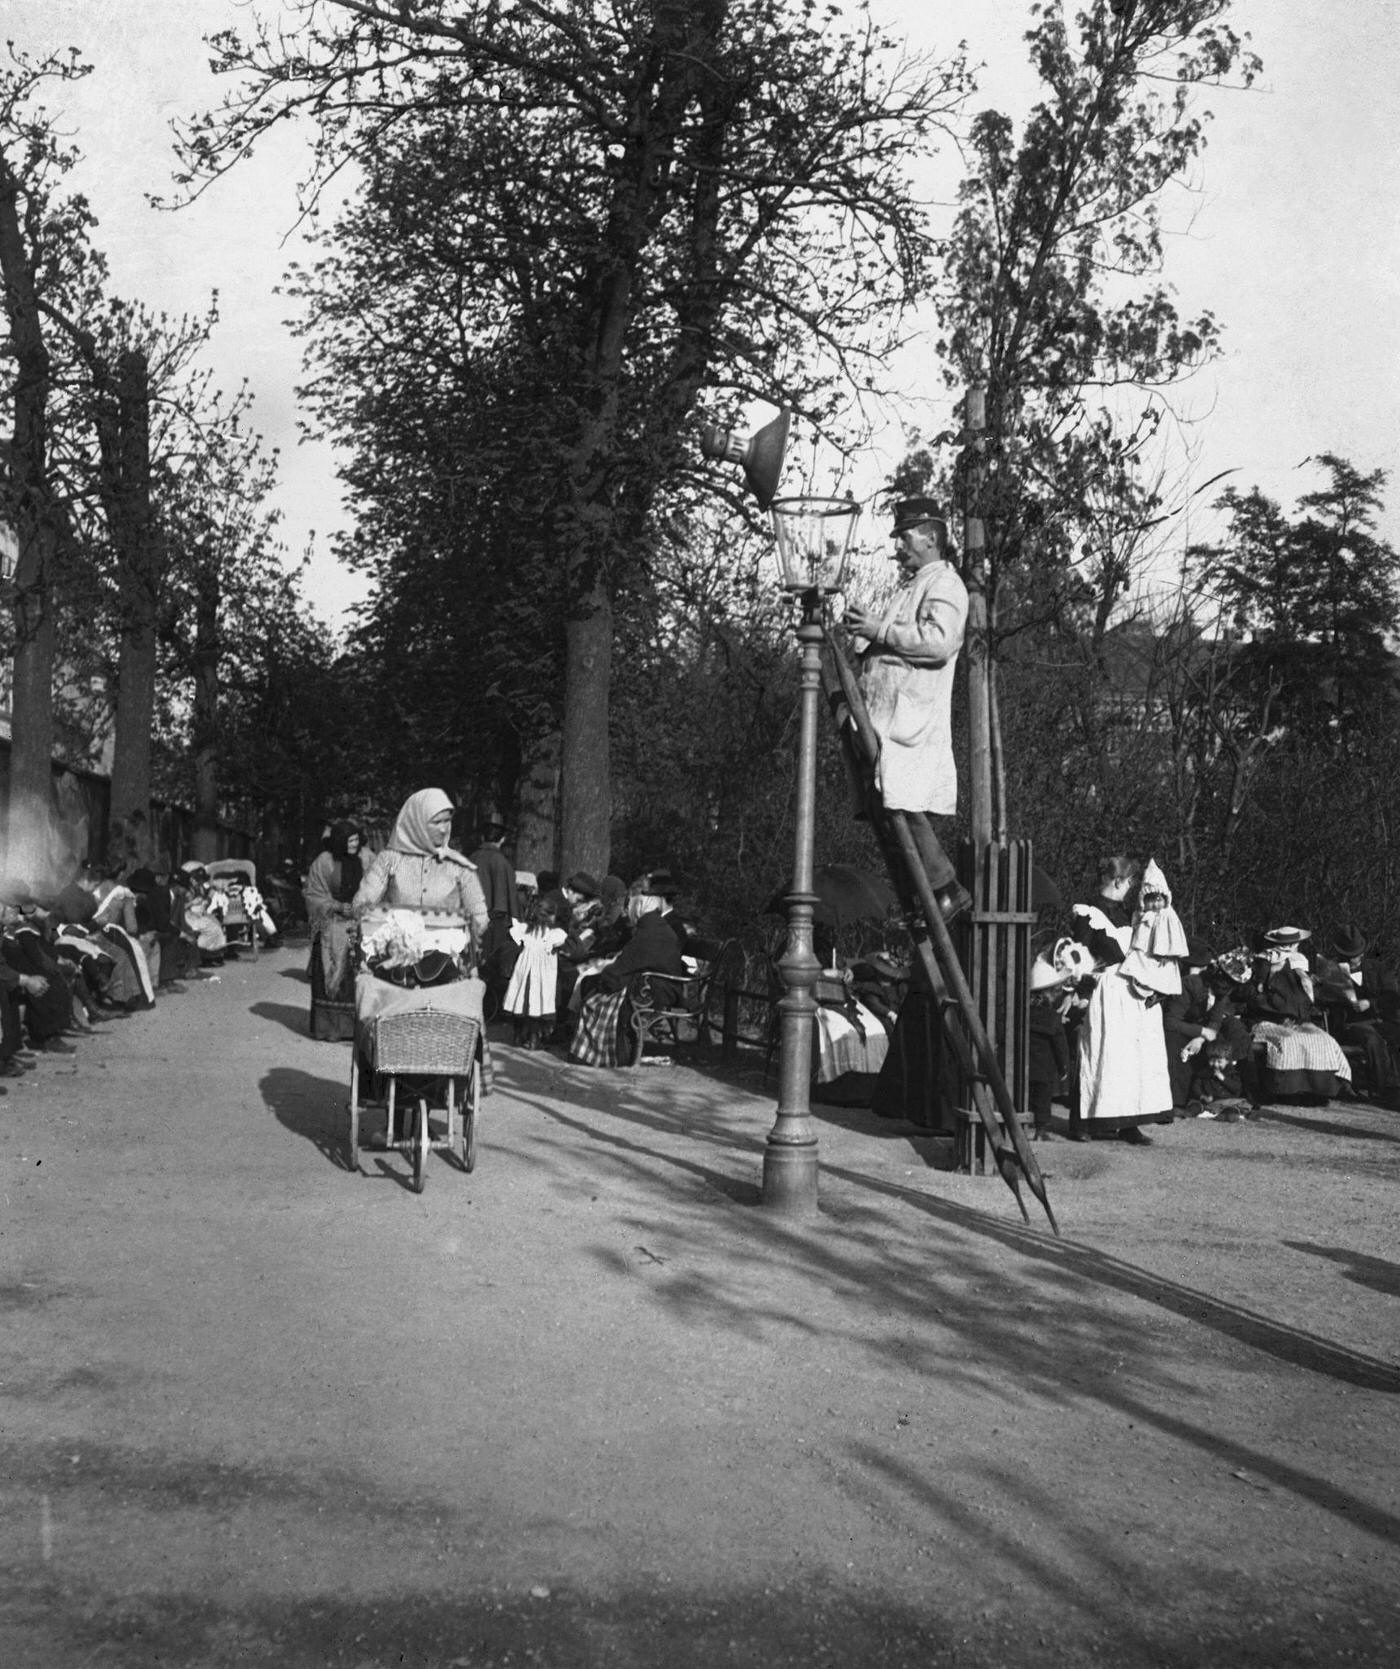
664	1004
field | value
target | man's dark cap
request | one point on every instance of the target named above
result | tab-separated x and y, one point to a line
914	512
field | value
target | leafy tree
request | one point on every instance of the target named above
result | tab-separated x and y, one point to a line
1050	301
574	221
236	644
135	399
44	255
1315	601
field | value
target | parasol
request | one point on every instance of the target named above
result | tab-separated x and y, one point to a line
844	894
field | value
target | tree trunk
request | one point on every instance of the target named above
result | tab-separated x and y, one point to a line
536	842
979	695
205	716
585	790
133	538
28	831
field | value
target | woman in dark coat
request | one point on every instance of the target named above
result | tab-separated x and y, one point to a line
1299	1057
44	991
653	948
331	884
155	913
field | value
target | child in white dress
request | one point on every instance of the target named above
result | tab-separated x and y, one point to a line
532	994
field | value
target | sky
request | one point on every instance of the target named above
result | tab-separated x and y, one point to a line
1290	234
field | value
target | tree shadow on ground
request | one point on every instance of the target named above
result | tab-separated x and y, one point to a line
1275	1114
1377	1273
687	1626
998	1320
1063	1258
74	1613
1008	1338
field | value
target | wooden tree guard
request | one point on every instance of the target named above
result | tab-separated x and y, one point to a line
996	954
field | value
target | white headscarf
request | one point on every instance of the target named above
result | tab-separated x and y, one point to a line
413	830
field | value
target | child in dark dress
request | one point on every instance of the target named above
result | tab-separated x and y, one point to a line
1048	1061
1219	1085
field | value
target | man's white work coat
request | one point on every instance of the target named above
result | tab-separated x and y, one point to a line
907	681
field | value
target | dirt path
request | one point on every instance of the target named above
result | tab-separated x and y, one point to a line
591	1406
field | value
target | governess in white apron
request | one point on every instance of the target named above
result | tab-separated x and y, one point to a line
1124	1081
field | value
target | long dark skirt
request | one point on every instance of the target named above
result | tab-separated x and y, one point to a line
915	1081
332	1011
603	1035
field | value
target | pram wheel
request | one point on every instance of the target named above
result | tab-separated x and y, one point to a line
419	1060
354	1111
420	1146
471	1111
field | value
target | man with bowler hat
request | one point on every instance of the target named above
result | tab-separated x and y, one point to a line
906	678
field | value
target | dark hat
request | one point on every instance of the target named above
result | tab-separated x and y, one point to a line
914	512
491	819
660	883
1349	944
1198	953
582	881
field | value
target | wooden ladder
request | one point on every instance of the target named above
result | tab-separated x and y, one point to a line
1002	1128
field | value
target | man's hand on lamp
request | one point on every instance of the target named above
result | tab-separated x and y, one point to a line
863	623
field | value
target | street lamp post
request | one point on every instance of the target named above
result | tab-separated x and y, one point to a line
813	537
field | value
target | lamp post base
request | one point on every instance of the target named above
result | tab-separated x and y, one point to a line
790	1178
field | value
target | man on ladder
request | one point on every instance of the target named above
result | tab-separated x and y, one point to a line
900	711
906	677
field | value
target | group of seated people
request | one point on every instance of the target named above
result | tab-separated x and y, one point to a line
102	946
1285	1017
573	950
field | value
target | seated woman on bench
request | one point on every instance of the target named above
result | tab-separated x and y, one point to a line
653	948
